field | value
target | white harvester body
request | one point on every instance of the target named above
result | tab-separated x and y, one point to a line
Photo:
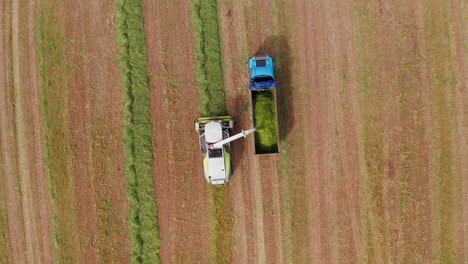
215	142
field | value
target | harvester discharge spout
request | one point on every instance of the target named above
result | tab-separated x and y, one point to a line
230	139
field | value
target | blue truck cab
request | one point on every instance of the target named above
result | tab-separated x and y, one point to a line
261	76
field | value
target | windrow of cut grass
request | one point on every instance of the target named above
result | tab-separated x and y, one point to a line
209	69
54	74
137	131
266	140
210	83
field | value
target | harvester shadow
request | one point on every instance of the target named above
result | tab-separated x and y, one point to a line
278	48
238	150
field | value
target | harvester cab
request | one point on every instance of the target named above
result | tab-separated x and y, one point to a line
261	75
214	134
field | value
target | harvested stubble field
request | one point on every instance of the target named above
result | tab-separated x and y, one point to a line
98	99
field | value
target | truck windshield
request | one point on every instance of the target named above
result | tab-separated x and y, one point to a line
263	79
215	153
260	63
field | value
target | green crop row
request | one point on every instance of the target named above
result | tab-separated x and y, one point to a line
137	132
210	83
265	122
209	69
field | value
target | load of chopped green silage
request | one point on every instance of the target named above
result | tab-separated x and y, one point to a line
264	115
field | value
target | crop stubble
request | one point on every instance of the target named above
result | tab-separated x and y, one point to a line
363	117
26	225
179	184
76	65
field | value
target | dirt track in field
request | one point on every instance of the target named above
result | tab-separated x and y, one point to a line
25	181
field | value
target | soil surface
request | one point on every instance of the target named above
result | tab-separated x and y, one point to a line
291	209
353	171
373	127
96	129
255	183
181	190
325	68
96	124
25	186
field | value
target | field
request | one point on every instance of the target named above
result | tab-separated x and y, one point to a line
100	163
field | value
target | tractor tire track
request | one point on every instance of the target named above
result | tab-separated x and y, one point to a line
31	187
23	162
12	197
269	179
258	213
247	237
460	30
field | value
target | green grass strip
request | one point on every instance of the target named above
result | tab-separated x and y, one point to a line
266	140
137	132
209	67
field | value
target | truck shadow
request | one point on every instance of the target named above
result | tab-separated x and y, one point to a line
278	48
